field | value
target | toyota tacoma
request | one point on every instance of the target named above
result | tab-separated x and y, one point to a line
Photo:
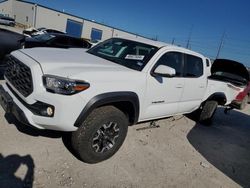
97	93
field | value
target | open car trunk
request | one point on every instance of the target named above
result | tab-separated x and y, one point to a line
229	71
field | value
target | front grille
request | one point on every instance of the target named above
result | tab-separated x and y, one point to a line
19	75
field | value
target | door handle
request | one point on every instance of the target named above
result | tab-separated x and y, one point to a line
179	86
201	86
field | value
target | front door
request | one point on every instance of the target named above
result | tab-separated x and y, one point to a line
164	93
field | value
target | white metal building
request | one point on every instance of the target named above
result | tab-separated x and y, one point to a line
31	14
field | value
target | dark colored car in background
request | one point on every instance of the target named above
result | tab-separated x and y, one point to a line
30	32
230	71
10	41
242	98
56	40
236	73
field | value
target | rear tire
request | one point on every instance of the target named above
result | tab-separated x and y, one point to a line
101	135
208	112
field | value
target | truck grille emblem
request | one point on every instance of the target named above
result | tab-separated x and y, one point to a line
15	70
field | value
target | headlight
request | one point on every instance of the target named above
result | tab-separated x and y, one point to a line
63	86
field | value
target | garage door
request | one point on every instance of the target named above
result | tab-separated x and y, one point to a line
74	28
96	34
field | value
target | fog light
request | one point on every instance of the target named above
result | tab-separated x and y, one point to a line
50	111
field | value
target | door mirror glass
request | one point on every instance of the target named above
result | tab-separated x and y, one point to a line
164	71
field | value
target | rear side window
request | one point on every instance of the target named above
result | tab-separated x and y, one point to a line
193	66
173	60
207	62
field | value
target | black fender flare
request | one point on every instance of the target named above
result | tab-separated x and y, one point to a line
220	97
109	98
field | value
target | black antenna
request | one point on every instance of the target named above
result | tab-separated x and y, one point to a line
189	37
173	40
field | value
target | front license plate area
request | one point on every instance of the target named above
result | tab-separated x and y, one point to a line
6	100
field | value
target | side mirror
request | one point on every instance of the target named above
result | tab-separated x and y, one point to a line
164	71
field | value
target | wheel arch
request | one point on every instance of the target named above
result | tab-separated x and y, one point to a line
220	97
127	102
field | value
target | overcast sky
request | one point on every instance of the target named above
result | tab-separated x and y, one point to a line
204	21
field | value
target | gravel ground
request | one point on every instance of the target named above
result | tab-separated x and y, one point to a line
180	153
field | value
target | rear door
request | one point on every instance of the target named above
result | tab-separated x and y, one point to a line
195	83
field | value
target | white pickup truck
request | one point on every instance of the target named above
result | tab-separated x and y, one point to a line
97	94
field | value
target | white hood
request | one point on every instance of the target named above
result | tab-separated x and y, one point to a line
77	63
51	59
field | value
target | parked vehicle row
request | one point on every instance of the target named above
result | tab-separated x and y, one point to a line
30	32
96	94
55	40
10	41
5	20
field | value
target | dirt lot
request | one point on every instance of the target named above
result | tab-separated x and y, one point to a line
180	153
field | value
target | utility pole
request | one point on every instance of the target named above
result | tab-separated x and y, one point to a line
221	44
173	41
189	37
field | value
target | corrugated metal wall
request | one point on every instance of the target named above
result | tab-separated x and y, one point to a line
30	14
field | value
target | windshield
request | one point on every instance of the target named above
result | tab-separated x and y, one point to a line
44	37
128	53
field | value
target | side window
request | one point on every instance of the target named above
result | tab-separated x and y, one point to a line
193	66
173	60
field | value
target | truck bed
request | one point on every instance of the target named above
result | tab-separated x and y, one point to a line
230	88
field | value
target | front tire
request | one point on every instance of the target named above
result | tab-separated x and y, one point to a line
101	135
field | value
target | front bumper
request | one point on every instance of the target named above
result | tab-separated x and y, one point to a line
63	119
10	106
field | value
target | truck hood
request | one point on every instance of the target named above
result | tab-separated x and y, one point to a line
230	66
67	62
